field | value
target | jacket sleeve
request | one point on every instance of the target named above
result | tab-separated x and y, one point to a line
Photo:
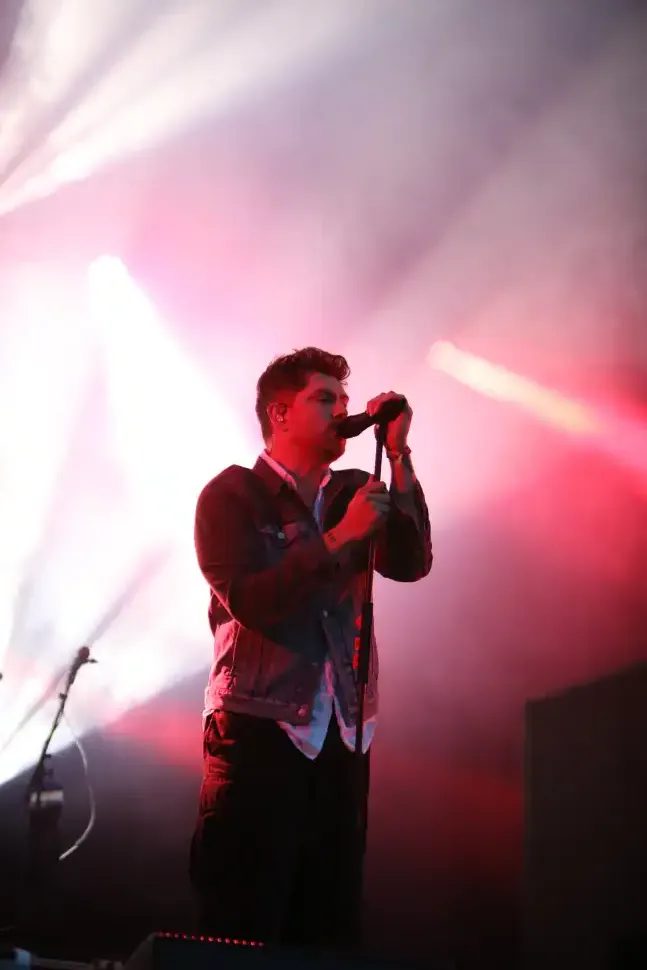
234	558
403	551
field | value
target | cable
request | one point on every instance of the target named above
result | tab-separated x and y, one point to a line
88	784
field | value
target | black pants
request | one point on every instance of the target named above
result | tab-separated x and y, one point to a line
274	857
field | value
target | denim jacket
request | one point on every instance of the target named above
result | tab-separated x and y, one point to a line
280	601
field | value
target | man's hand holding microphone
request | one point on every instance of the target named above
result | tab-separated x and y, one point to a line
368	509
365	515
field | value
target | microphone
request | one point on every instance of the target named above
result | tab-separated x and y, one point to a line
354	424
82	657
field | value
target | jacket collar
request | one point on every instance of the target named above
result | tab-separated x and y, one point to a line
275	482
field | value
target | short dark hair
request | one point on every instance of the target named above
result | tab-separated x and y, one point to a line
291	373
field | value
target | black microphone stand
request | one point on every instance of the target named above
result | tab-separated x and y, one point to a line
361	662
39	894
45	796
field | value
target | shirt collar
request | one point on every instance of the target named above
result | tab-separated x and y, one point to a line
285	474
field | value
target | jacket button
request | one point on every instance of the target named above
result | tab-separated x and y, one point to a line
324	613
280	535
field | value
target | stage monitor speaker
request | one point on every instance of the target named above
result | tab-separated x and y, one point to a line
177	951
585	865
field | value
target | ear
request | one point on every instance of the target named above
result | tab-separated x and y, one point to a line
276	413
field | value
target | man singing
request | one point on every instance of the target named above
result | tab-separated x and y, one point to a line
283	547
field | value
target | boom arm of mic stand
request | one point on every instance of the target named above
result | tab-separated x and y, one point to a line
362	660
35	781
35	786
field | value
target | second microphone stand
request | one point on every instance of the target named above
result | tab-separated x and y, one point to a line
45	796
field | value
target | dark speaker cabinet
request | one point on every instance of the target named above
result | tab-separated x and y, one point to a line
585	865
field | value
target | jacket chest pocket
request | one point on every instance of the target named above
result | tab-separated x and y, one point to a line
278	538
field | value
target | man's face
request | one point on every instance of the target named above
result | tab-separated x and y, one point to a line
313	415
